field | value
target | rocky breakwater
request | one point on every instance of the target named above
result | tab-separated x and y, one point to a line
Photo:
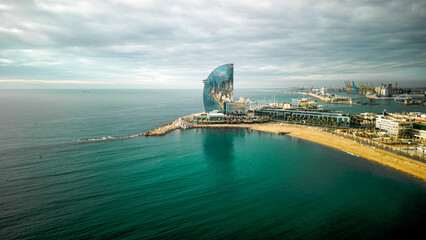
181	123
186	123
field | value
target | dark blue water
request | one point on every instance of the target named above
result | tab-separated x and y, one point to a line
200	183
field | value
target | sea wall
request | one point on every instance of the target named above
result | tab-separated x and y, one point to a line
181	123
178	124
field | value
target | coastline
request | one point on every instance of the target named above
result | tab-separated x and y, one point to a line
401	163
314	134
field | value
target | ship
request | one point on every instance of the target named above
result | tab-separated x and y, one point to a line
402	98
373	96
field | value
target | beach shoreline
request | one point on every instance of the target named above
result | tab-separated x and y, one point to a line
315	134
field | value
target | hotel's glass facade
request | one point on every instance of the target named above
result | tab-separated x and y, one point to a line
218	88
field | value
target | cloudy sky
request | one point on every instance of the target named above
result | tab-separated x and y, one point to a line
175	44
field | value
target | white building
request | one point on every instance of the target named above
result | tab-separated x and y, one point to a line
286	105
295	103
307	114
419	134
393	126
386	90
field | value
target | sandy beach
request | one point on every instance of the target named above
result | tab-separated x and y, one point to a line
404	164
314	134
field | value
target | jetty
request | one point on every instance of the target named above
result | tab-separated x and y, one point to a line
186	123
178	124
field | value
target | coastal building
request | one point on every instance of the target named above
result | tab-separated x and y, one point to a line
235	108
249	104
286	106
284	114
419	132
304	103
394	126
385	90
377	90
295	103
368	118
215	117
218	88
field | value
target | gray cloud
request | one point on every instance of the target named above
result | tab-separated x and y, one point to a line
157	44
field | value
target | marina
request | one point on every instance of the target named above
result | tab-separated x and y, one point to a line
302	119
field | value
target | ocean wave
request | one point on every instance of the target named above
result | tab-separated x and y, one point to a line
350	153
108	138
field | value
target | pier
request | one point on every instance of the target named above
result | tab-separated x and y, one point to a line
181	123
333	99
178	124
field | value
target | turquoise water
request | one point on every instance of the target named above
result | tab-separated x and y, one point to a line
200	183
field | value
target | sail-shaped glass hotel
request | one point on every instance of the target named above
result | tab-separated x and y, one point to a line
219	88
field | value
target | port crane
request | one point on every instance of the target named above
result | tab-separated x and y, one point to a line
355	88
349	88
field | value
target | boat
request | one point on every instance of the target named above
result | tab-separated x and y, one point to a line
402	98
155	91
373	96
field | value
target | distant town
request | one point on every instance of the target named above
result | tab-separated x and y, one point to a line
405	96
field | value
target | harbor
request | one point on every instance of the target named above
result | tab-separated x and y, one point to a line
212	119
395	140
332	98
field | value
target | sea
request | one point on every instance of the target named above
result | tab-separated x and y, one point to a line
56	182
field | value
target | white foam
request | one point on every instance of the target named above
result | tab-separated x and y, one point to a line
350	153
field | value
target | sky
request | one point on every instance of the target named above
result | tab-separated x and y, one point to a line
176	44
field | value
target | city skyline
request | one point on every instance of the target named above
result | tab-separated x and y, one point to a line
151	44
